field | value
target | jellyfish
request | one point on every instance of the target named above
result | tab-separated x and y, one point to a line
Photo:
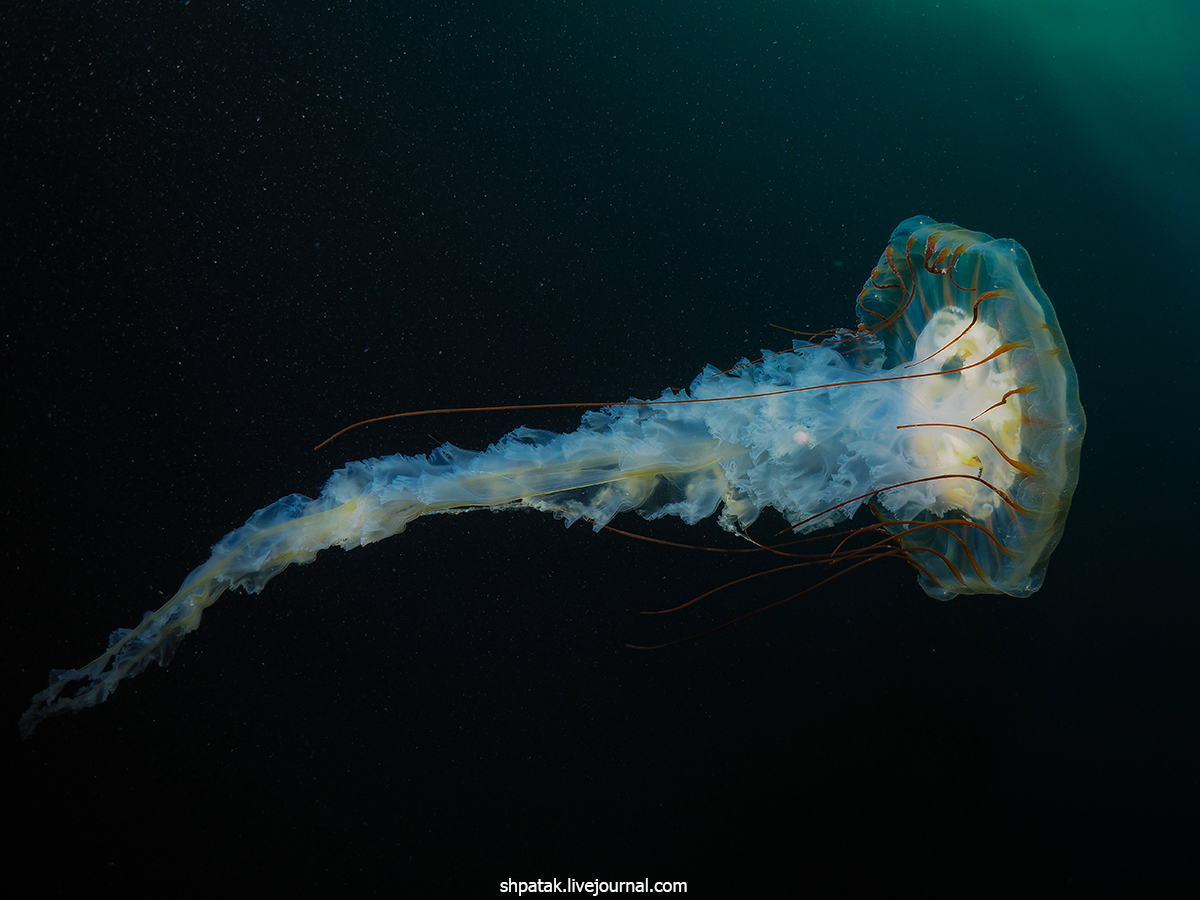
951	412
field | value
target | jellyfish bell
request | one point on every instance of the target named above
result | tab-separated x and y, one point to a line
952	413
996	402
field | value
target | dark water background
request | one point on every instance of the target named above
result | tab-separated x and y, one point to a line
228	229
